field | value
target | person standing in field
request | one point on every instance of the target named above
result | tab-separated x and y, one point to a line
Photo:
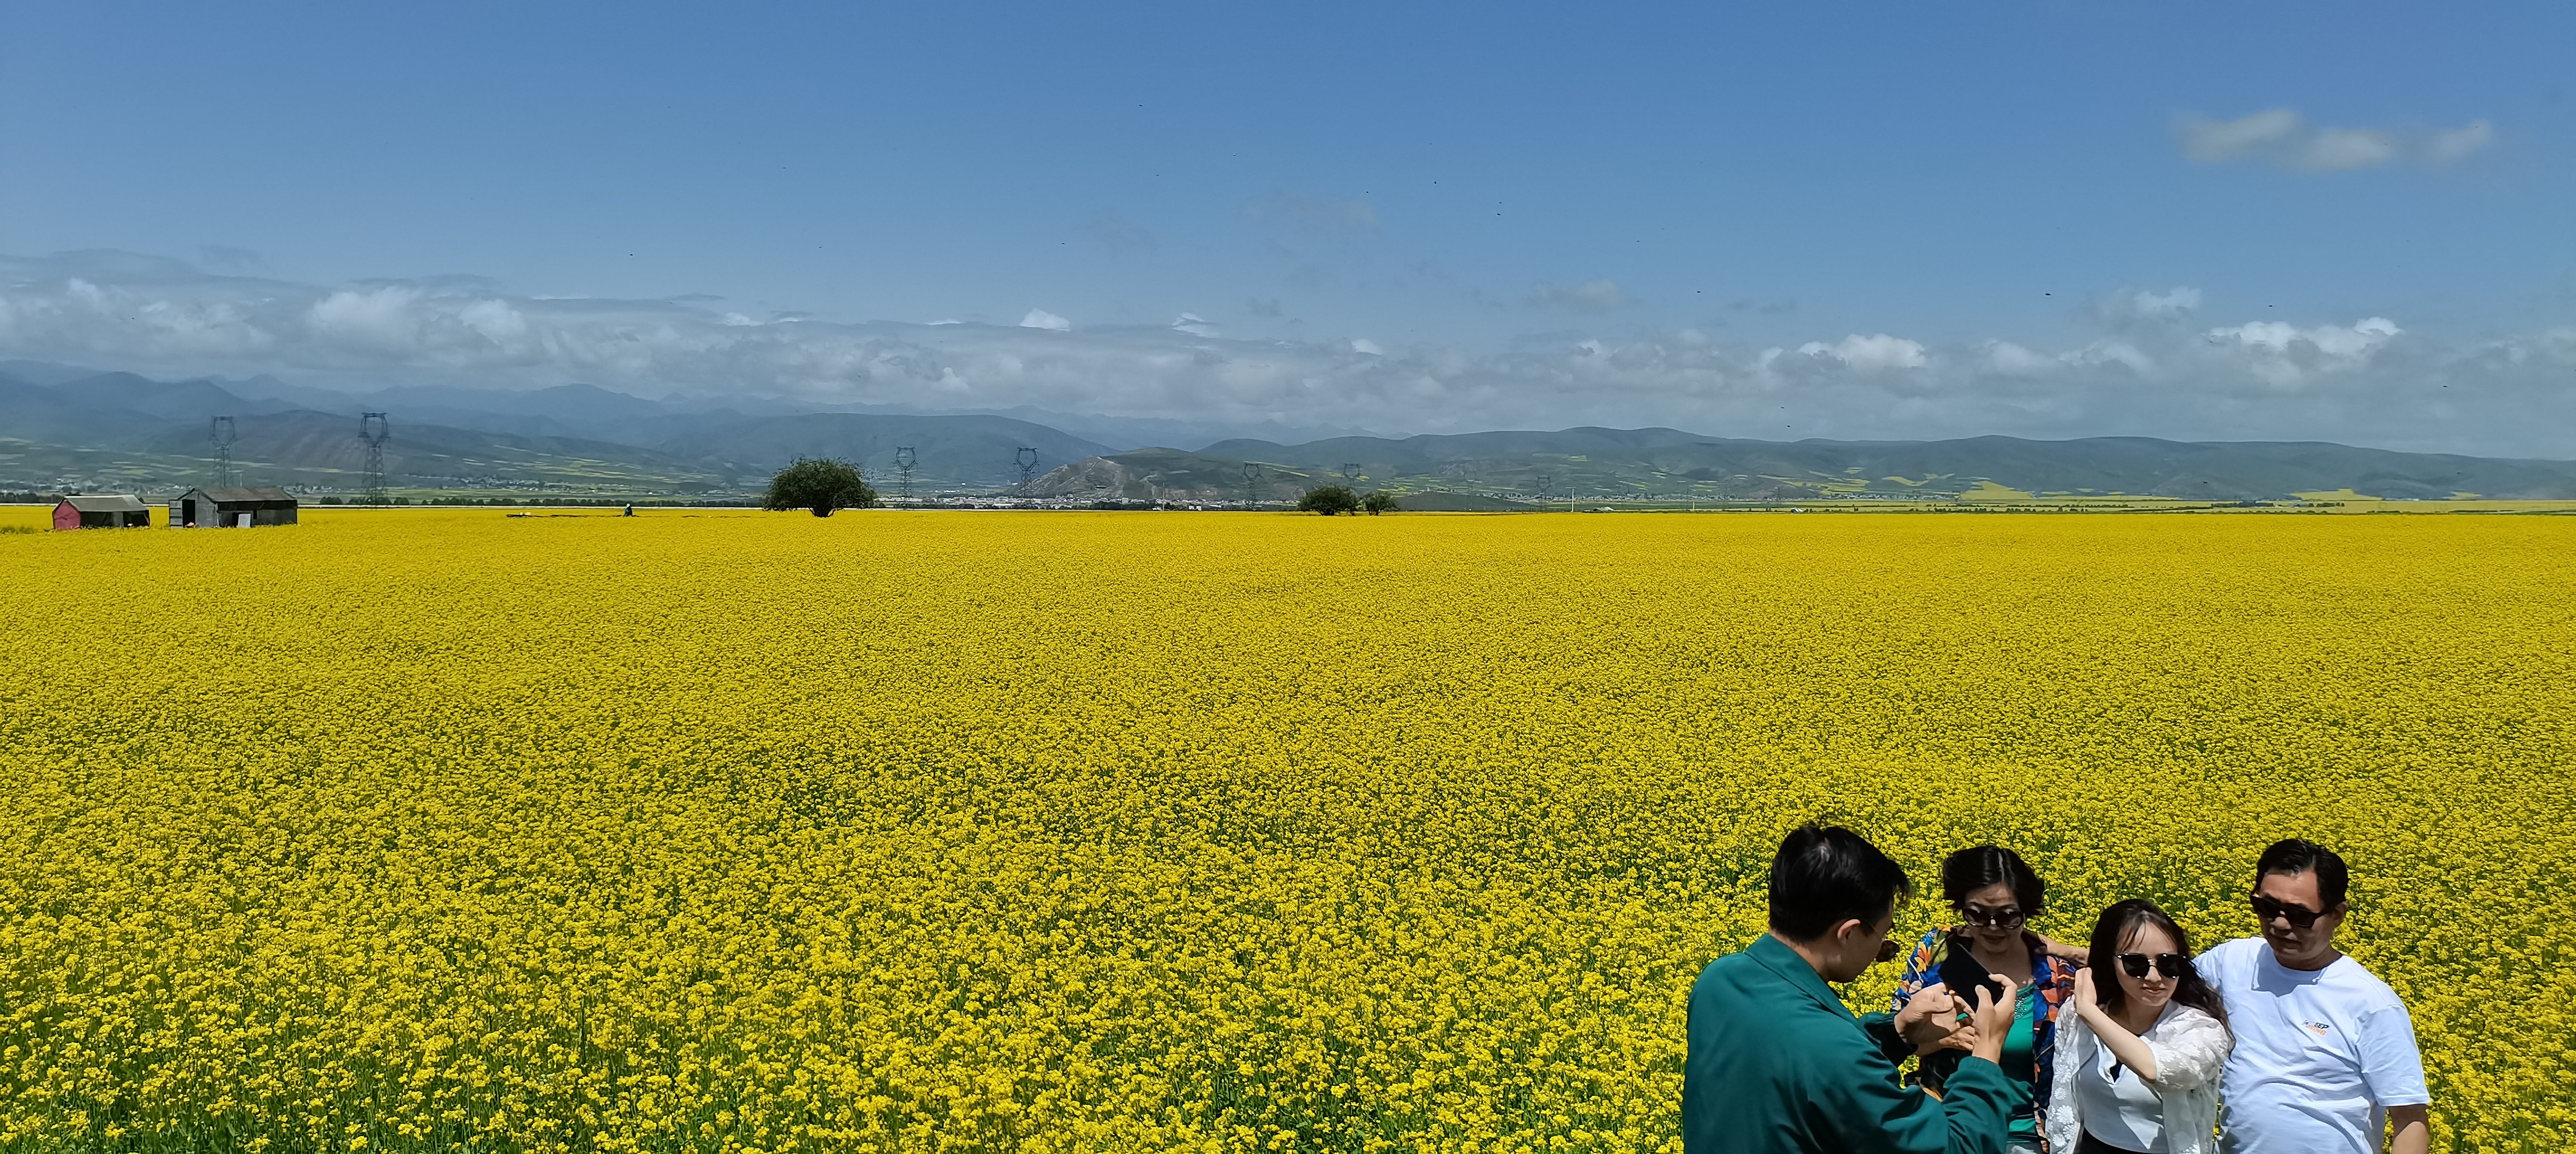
1994	893
2325	1058
2139	1058
1778	1064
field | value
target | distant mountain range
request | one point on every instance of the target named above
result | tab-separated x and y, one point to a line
1657	462
64	427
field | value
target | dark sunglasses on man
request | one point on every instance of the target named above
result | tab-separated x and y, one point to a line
2170	965
2301	917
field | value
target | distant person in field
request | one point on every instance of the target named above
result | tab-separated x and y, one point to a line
2140	1053
2325	1058
1778	1064
1995	893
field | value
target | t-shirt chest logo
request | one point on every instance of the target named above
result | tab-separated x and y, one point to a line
2320	1029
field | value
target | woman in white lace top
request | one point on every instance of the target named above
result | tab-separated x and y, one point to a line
2138	1062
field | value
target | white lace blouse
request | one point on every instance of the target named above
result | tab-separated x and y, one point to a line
2190	1048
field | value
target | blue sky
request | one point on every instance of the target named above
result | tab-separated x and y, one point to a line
1452	216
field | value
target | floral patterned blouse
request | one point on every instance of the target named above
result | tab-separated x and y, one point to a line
2054	976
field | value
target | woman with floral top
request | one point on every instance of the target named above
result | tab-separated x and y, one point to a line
1995	894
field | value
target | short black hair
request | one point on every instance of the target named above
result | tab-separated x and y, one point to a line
1825	875
2293	855
1977	867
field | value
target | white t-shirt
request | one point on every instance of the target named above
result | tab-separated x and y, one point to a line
2320	1054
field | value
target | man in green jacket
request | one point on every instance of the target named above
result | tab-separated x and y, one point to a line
1777	1062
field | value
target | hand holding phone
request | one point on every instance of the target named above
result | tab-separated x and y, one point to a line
1930	1020
1994	1019
1965	975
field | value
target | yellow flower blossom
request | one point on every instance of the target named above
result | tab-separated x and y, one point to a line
415	831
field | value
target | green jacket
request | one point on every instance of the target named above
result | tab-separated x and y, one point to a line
1778	1063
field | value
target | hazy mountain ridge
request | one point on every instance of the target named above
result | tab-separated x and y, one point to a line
1645	462
90	429
63	426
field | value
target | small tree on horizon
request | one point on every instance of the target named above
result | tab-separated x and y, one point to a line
822	484
1328	500
1378	502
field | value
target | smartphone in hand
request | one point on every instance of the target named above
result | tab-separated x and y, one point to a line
1963	973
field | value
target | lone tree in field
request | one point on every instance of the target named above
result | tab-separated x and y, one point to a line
1378	502
818	483
1329	500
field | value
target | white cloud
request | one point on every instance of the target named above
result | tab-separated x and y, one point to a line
384	317
2282	137
2455	144
2014	360
2286	354
1194	324
2367	380
2214	140
2116	355
1591	297
2336	149
1876	352
1042	319
2126	306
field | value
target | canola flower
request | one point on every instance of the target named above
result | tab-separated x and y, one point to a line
915	831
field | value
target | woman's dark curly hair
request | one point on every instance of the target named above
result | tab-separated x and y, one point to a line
1973	869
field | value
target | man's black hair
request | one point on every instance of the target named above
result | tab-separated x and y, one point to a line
1825	875
2299	856
1973	869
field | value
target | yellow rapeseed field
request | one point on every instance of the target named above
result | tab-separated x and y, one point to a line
923	831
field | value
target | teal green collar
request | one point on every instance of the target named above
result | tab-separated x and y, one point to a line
1776	956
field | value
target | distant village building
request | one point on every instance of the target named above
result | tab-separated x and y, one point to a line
230	508
102	511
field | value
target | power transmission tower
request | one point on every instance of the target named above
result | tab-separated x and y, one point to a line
904	459
1251	480
375	430
1350	472
1027	460
220	431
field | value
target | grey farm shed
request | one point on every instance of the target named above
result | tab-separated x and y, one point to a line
233	508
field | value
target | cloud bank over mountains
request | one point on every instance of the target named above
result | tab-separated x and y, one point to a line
2154	364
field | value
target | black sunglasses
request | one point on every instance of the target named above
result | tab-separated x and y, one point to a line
2007	918
2301	917
1887	950
2171	965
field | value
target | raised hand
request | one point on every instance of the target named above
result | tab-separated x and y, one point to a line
1993	1019
2086	1005
1930	1018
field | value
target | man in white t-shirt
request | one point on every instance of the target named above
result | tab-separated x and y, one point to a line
2325	1055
